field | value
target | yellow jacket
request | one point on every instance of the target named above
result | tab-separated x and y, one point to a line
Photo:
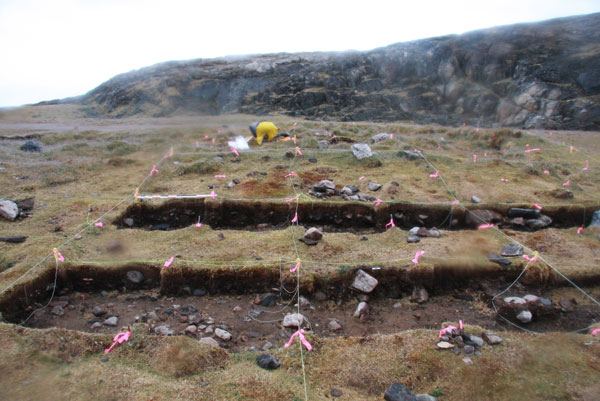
267	129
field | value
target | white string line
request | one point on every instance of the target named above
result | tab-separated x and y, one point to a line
522	245
86	226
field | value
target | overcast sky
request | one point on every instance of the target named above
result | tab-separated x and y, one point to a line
58	48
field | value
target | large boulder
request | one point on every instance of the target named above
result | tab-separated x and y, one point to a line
361	151
364	282
9	210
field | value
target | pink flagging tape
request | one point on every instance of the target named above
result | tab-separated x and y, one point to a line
293	269
295	219
391	223
220	176
587	165
119	339
170	261
438	146
484	154
571	149
295	124
362	177
566	183
172	196
460	324
533	150
455	202
417	256
595	331
153	171
527	145
546	171
99	224
58	256
484	226
198	225
435	175
504	179
292	199
299	334
211	195
298	150
579	230
294	139
235	152
292	174
446	330
538	207
531	259
136	194
377	202
391	136
474	158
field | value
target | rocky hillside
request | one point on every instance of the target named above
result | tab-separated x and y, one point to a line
543	74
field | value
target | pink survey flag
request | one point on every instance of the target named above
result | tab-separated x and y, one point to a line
587	165
436	175
169	262
153	171
378	202
295	268
295	219
417	256
391	223
535	205
484	226
291	174
58	256
579	230
220	176
99	224
119	339
566	183
299	334
235	152
446	330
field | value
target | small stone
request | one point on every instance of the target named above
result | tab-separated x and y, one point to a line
524	316
210	341
152	316
9	210
397	305
545	302
312	159
267	346
323	144
425	397
467	360
414	231
363	297
334	325
96	325
374	186
320	296
419	295
209	330
267	361
515	300
512	249
164	331
364	282
478	341
293	320
191	329
444	345
491	338
58	311
530	298
313	233
223	334
475	199
308	241
31	146
567	304
98	311
361	150
469	349
595	219
199	292
413	239
380	137
499	260
361	310
268	300
397	392
336	393
434	233
135	276
111	321
237	309
303	301
129	222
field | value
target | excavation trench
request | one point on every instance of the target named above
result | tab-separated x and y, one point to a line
334	216
225	298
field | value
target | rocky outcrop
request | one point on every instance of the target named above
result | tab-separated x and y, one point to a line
543	74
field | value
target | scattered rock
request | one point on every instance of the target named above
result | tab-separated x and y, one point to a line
268	300
14	240
562	194
512	249
267	346
199	292
31	146
303	301
308	241
111	321
595	219
9	210
210	341
336	393
425	397
334	325
469	349
237	309
96	325
135	276
529	298
323	145
361	150
313	233
397	305
25	204
191	329
414	231
364	282
58	311
223	334
380	137
320	296
477	217
407	154
444	345
537	224
491	338
267	361
187	309
361	310
467	360
413	239
492	257
515	300
524	316
419	295
152	316
98	311
374	186
129	222
478	341
475	199
567	304
293	320
397	392
164	331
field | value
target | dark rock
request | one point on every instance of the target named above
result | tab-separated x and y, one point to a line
562	194
31	146
14	240
475	218
464	297
187	310
25	204
525	213
308	241
199	292
407	154
512	249
220	237
135	276
419	295
537	224
374	186
268	300
58	310
313	160
567	304
412	239
313	233
397	392
161	226
492	257
267	361
98	311
595	219
336	393
469	349
364	238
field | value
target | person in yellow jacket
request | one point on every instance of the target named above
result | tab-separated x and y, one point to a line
263	129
